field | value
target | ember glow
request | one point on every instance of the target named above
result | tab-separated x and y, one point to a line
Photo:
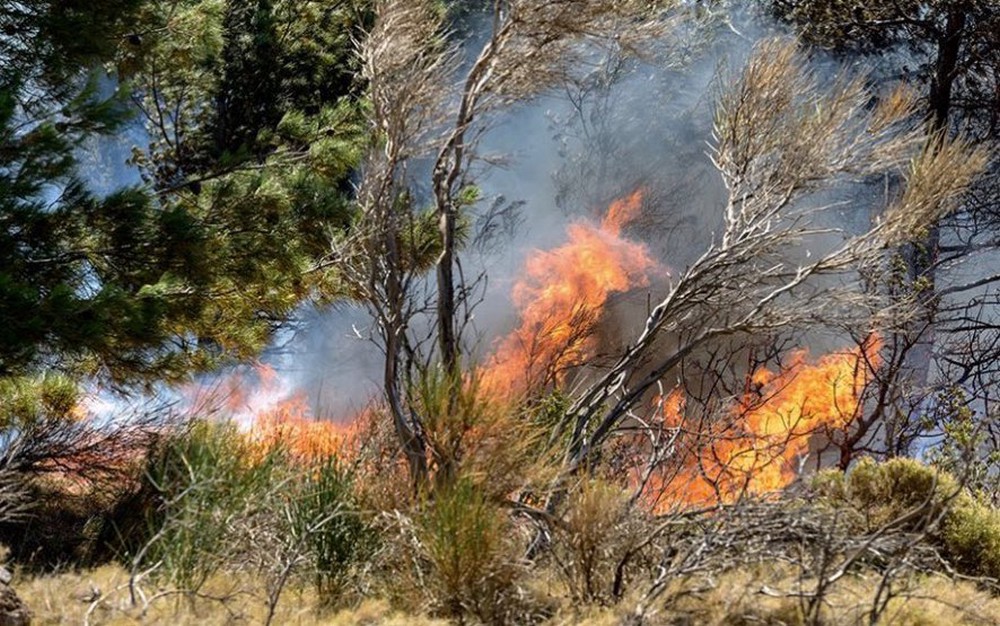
756	448
560	297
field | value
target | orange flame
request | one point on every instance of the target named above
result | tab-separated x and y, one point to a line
291	426
274	416
560	299
755	449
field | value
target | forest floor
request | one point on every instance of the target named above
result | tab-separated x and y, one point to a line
749	596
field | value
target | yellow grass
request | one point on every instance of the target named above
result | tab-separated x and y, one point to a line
69	598
732	599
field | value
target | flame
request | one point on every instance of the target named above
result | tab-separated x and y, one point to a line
274	414
291	426
560	298
754	449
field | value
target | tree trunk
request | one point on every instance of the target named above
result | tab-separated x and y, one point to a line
408	430
921	256
446	291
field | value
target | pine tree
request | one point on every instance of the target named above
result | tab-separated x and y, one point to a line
200	266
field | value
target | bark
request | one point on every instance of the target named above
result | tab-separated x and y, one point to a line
922	256
448	168
411	439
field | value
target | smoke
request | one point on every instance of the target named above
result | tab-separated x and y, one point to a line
624	124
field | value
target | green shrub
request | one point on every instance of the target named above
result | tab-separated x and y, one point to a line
468	563
880	493
326	517
204	483
913	494
971	536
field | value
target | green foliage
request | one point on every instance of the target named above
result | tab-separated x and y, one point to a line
963	446
251	179
971	535
218	78
205	482
466	549
281	57
254	122
46	42
25	401
216	502
873	26
327	518
876	494
886	492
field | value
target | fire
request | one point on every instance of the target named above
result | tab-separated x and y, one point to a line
560	298
275	415
755	448
290	424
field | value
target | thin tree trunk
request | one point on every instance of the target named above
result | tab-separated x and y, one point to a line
922	256
410	437
446	291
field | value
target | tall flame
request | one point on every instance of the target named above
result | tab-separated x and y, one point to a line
560	298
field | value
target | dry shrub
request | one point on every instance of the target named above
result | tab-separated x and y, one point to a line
383	482
63	476
451	547
765	594
596	540
240	598
467	544
732	598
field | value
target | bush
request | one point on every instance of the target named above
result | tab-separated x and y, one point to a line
203	483
596	540
466	543
882	493
875	494
971	536
327	519
62	475
454	555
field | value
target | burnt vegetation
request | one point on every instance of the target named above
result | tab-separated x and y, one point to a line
660	312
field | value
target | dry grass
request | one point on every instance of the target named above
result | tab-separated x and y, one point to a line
733	598
69	598
765	595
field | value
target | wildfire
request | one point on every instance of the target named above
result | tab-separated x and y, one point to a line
275	415
754	449
560	298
